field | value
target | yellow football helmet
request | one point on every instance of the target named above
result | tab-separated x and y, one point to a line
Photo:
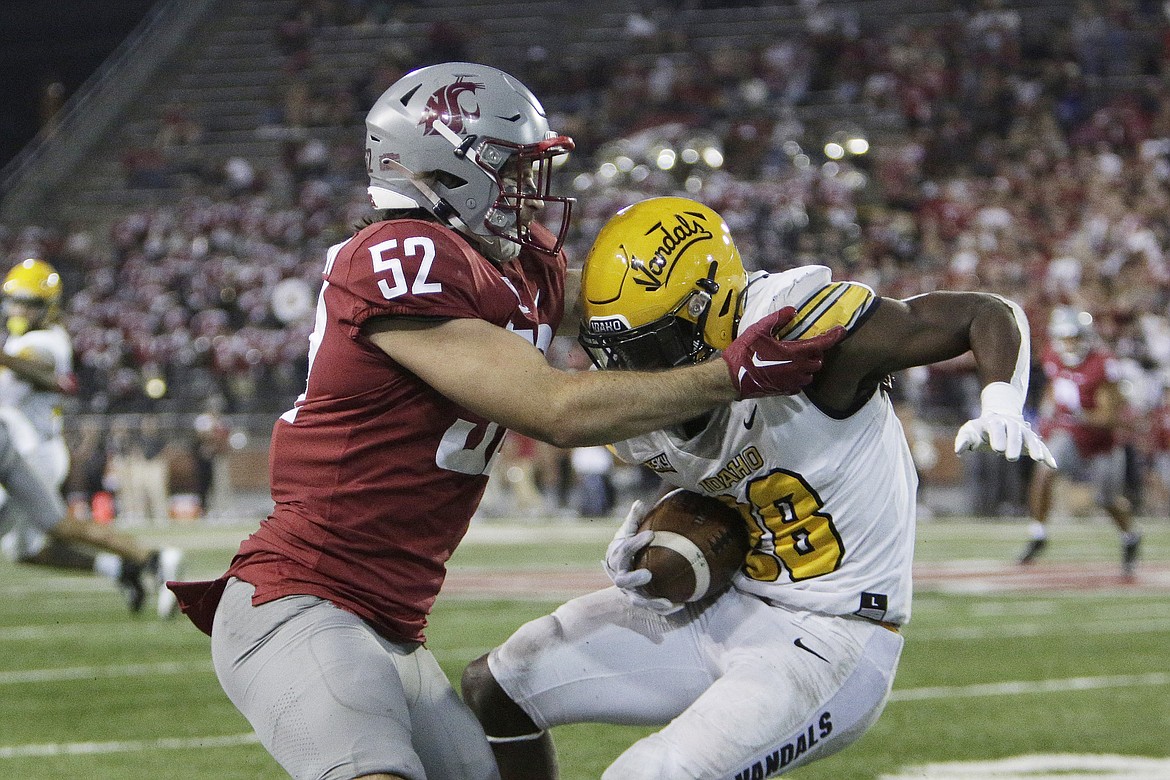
662	286
37	286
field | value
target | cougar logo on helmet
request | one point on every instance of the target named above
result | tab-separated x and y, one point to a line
675	241
445	104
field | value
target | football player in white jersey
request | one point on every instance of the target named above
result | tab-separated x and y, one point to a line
796	660
36	371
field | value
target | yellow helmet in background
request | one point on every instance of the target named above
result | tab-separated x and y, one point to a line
33	283
661	286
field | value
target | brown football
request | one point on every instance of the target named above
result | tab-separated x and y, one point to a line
699	544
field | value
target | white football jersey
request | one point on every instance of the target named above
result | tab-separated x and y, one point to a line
42	408
830	502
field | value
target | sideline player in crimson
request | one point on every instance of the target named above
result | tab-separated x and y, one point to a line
430	329
1082	415
796	660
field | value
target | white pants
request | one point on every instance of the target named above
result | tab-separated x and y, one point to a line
748	690
23	520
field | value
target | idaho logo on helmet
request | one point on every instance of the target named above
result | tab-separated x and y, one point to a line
661	286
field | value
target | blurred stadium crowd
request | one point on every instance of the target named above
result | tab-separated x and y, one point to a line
973	151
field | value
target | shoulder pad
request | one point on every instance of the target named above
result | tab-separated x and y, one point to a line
820	302
769	292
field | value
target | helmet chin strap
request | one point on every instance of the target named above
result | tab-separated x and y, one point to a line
440	207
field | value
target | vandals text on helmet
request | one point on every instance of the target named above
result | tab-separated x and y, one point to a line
688	229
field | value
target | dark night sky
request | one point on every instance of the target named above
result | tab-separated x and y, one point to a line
44	40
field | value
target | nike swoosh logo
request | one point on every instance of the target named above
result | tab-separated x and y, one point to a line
808	649
751	420
758	363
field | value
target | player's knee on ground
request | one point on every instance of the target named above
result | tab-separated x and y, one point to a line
499	715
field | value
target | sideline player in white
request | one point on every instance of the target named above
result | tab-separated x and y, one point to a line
796	661
36	371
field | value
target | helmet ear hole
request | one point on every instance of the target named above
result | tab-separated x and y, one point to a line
723	310
449	180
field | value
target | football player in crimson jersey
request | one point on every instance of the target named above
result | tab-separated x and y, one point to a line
1082	415
1157	440
430	329
36	372
796	660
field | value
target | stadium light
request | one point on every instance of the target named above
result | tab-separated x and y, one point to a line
155	388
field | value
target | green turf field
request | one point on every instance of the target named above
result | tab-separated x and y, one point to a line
1043	672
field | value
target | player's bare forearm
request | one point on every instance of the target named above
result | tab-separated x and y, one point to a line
600	407
997	335
920	331
499	376
943	325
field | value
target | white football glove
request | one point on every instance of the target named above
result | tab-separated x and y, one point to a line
1000	427
619	559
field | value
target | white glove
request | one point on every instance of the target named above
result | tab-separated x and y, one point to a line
619	558
1000	427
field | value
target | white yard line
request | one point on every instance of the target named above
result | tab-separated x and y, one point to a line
1135	625
1018	687
48	750
162	668
232	740
1060	766
71	630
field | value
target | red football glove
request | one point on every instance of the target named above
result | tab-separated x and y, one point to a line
761	364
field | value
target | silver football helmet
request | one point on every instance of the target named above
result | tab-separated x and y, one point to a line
472	145
1071	333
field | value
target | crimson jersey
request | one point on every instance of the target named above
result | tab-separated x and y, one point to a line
375	475
1073	392
1158	438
